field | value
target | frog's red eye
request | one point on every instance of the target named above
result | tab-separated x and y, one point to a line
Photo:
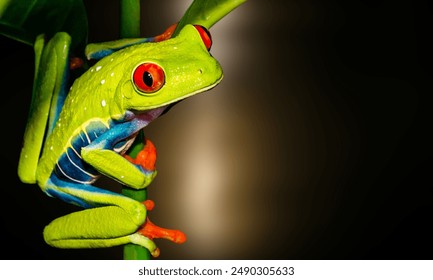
148	77
205	36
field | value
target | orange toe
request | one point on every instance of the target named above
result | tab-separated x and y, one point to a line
152	231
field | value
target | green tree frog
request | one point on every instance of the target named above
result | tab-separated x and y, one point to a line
75	135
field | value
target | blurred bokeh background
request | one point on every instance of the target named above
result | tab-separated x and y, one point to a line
314	146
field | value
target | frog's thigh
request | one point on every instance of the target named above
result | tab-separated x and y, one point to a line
113	220
95	228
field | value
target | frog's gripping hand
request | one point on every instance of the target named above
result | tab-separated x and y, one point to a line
146	158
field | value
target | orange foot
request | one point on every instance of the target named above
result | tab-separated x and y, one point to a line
146	158
167	33
151	231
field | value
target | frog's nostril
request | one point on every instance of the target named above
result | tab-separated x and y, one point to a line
200	71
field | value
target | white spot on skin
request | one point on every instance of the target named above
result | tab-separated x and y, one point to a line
103	103
112	74
102	82
91	69
98	68
51	148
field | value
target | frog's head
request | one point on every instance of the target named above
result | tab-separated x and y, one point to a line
160	74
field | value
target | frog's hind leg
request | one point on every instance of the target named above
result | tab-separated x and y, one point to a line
110	220
49	91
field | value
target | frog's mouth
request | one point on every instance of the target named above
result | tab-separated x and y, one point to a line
148	108
150	115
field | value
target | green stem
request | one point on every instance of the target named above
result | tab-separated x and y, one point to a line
207	12
130	28
129	18
132	251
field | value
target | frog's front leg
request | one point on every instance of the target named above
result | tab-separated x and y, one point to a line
105	155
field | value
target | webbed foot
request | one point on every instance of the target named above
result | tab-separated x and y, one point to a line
146	158
151	231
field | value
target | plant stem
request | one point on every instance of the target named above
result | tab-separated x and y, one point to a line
130	28
206	12
129	18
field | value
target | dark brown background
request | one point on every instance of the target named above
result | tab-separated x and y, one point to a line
314	146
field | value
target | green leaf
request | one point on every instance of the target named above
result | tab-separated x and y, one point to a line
24	20
207	12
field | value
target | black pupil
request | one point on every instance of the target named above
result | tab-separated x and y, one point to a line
147	79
